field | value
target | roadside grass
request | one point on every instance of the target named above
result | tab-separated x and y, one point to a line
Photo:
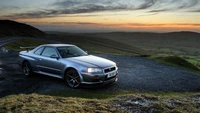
133	102
88	94
154	104
93	94
35	103
23	42
175	57
178	62
193	59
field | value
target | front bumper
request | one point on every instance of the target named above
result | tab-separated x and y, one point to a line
112	80
102	79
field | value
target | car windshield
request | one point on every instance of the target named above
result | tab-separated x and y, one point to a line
71	51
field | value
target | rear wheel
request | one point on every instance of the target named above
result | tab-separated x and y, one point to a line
72	78
27	69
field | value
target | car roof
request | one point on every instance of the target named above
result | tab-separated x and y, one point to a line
57	45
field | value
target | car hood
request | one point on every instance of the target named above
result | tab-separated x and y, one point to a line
93	61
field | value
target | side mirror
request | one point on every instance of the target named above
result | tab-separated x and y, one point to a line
54	56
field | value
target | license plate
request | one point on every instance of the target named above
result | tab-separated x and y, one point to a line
111	74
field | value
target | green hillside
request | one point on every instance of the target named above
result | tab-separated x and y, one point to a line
100	45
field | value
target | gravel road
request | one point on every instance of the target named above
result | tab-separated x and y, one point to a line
135	74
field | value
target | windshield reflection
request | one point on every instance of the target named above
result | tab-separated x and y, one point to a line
71	51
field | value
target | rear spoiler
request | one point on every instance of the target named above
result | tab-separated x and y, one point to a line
27	48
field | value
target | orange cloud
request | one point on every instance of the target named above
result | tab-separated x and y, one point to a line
126	27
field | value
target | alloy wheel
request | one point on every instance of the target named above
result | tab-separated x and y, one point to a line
72	78
26	69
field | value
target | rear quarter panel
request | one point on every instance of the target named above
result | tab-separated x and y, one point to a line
26	56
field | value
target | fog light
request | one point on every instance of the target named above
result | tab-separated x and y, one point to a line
95	76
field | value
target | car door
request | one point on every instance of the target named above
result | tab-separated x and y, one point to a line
48	64
36	56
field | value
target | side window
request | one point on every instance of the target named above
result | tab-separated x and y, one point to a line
48	51
38	51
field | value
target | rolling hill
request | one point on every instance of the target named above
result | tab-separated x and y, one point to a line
99	45
12	28
145	38
180	42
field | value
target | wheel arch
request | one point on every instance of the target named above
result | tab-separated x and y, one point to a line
24	62
69	68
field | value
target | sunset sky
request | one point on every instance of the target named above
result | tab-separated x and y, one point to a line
105	15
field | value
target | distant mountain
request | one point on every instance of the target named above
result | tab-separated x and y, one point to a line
145	34
12	28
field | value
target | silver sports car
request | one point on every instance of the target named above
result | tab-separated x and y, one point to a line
68	62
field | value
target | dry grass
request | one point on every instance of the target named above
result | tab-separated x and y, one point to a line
155	104
124	103
38	103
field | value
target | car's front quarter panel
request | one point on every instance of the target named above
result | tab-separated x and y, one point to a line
87	78
67	64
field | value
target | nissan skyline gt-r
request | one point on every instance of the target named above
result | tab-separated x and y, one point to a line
68	62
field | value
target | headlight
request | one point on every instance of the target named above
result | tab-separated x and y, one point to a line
94	70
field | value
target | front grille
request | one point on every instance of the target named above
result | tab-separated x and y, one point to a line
109	69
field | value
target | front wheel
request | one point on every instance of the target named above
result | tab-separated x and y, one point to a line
27	69
72	78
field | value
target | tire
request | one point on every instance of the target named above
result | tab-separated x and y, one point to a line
72	78
27	69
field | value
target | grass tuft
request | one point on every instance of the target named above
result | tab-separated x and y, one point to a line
43	104
177	61
133	102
